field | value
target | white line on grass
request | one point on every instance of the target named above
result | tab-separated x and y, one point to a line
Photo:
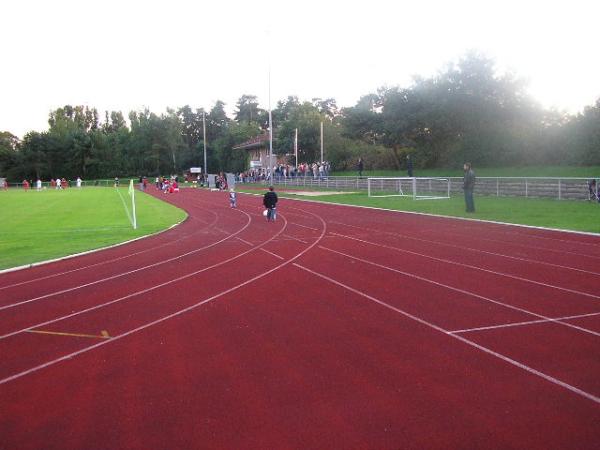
125	206
112	260
489	351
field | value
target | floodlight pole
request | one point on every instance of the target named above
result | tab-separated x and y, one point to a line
322	160
204	139
296	147
270	129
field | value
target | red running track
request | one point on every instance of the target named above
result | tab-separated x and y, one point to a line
335	327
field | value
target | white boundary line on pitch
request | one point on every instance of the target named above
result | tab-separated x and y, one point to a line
444	244
462	339
519	324
170	316
462	291
493	272
143	291
54	275
125	206
112	277
87	252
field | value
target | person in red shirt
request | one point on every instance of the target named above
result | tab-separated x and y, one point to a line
26	185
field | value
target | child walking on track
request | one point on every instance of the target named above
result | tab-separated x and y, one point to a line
232	198
270	202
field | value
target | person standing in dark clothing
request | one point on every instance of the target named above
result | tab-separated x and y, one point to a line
270	201
360	166
409	166
468	186
593	190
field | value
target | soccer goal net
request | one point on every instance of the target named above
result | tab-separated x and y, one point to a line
416	188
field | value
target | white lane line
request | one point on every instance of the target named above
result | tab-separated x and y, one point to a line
519	324
476	250
112	260
295	238
102	280
170	316
144	291
462	291
262	249
489	351
447	261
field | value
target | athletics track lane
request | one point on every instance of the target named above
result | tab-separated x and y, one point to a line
310	381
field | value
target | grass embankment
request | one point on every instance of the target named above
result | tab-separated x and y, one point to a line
560	214
520	171
38	226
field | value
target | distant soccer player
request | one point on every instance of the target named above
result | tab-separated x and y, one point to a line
270	201
232	198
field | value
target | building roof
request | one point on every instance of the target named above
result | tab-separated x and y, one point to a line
257	141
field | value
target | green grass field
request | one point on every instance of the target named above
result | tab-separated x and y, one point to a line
560	214
521	171
38	226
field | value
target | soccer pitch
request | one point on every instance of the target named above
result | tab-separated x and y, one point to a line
37	226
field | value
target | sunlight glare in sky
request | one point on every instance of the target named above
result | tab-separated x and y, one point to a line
126	55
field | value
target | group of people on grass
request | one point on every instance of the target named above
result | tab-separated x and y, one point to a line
55	183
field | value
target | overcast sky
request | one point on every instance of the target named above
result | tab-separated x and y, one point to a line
125	55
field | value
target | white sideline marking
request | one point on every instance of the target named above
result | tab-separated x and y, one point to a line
462	291
444	244
170	316
458	337
518	324
447	261
102	280
125	206
144	291
202	230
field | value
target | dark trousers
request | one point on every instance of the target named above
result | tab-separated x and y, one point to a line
469	200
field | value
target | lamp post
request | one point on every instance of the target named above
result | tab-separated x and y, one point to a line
204	138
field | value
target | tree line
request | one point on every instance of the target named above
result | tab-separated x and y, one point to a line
467	112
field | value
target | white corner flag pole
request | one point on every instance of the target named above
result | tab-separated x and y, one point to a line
132	195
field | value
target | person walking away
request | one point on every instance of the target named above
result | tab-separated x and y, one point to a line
360	166
78	181
38	185
232	198
468	186
270	202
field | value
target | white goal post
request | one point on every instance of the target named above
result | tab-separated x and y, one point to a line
419	188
